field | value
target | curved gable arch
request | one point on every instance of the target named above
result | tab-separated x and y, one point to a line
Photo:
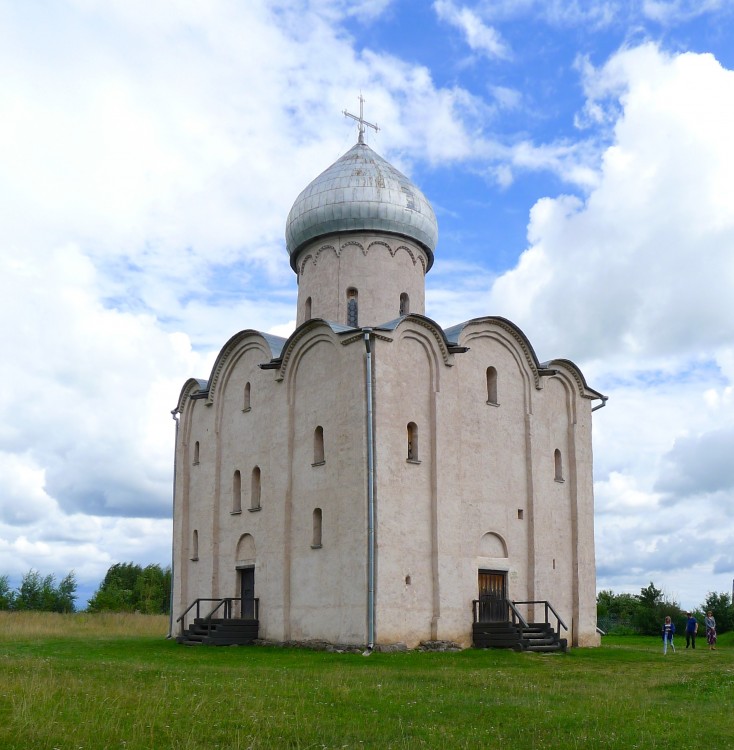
528	373
229	355
428	345
428	329
506	331
310	334
569	386
574	375
190	387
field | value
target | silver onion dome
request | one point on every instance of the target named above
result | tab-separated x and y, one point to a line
358	192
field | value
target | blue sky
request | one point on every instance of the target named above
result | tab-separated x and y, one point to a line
579	159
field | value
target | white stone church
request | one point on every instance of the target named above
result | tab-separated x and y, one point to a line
375	478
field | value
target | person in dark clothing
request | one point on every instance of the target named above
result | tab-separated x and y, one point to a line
691	630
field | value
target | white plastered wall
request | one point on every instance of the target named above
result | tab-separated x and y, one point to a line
380	267
484	469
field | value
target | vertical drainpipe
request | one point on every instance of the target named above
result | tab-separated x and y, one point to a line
174	415
370	500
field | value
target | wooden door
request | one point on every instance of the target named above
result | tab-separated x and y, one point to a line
247	592
492	596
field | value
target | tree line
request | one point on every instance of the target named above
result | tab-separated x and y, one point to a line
126	587
645	612
37	592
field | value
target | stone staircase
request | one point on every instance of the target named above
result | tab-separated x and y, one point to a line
539	637
219	632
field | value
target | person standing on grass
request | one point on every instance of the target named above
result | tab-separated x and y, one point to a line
710	623
668	633
691	630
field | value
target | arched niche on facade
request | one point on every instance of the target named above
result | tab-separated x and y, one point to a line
246	548
492	545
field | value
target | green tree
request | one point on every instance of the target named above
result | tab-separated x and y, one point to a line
6	594
29	595
115	593
66	593
128	587
652	609
40	593
721	607
622	606
650	596
616	612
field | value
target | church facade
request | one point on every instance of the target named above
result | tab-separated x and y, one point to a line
368	478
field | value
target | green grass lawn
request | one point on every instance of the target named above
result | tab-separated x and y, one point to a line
121	684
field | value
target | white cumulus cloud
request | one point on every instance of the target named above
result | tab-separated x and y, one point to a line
479	36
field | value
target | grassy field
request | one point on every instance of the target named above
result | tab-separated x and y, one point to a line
83	682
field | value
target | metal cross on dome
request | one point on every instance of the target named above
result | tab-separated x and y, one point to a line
362	122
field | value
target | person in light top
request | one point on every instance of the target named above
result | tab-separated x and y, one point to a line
710	623
668	633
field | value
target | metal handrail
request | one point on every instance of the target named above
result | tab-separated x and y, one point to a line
548	606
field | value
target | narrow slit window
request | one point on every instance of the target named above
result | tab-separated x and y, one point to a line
404	304
558	464
195	545
412	441
307	309
246	403
317	525
196	452
492	386
352	308
237	492
318	445
255	489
